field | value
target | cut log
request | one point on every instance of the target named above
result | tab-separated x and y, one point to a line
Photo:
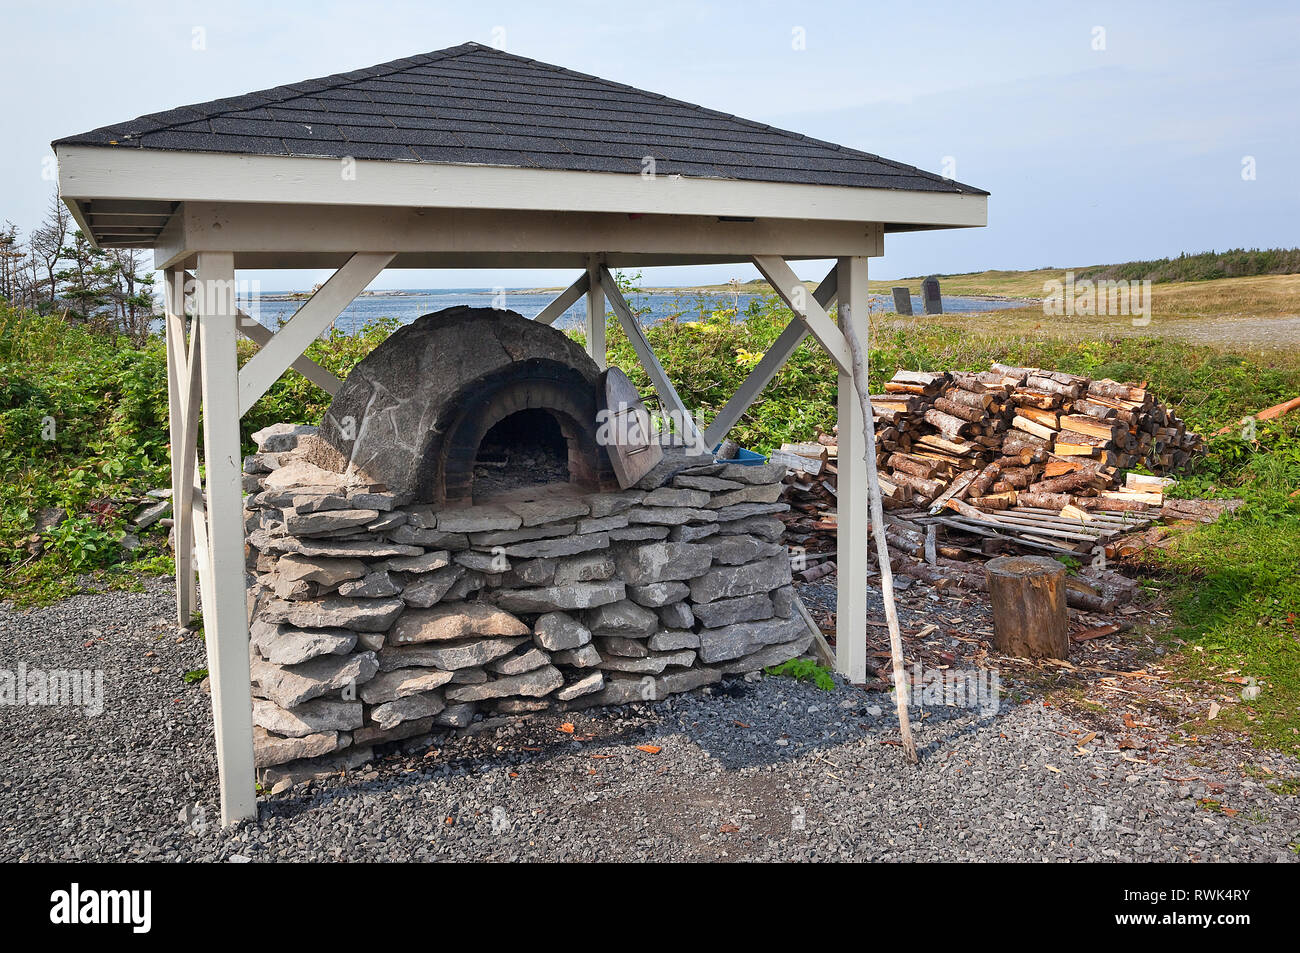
988	476
953	409
1030	618
1035	429
951	427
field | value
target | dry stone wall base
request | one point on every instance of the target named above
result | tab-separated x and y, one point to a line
375	619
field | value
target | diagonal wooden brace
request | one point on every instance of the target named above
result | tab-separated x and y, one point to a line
322	308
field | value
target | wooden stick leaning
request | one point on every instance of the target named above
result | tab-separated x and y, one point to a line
882	546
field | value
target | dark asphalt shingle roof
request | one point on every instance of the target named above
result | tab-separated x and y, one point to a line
475	104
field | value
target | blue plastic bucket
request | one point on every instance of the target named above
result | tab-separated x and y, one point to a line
746	458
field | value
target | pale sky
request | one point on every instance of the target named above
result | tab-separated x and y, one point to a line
1104	131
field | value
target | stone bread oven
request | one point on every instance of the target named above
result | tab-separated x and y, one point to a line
416	413
404	581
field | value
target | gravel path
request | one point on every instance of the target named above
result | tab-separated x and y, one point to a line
763	770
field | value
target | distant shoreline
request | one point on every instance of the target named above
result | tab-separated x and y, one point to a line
699	290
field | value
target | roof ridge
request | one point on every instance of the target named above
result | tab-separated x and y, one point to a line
717	113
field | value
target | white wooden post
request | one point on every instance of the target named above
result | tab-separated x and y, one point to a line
225	612
595	326
852	501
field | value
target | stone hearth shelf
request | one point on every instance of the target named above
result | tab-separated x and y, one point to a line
374	619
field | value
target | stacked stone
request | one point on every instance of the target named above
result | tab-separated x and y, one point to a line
374	619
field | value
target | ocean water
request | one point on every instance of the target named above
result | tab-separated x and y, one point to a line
271	309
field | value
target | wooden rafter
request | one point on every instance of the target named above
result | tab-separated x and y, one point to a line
317	313
668	395
767	368
805	306
567	298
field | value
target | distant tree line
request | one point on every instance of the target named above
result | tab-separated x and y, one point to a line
55	269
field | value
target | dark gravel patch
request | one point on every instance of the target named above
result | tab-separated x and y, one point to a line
768	769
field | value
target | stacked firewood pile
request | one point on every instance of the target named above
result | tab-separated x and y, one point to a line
1022	435
990	441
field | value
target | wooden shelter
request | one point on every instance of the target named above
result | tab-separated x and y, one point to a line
467	157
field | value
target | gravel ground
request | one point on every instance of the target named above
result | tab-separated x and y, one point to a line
758	770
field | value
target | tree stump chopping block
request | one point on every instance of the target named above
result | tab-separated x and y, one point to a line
1030	619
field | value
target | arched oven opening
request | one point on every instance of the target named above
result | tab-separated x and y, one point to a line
525	449
529	426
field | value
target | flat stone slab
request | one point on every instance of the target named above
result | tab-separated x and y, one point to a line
412	728
668	640
670	515
581	686
290	687
391	714
707	483
557	630
584	656
765	527
662	562
525	659
756	493
656	594
580	595
321	714
743	473
564	546
741	549
424	562
483	562
745	510
270	750
428	589
587	567
447	657
609	504
536	513
502	537
363	615
359	549
409	535
676	496
652	664
692	532
277	438
401	683
640	533
750	608
744	638
541	681
300	473
601	524
624	617
375	585
286	645
727	582
329	521
478	519
456	621
768	656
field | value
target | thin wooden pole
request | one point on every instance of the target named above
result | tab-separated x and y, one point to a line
854	312
226	617
177	388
